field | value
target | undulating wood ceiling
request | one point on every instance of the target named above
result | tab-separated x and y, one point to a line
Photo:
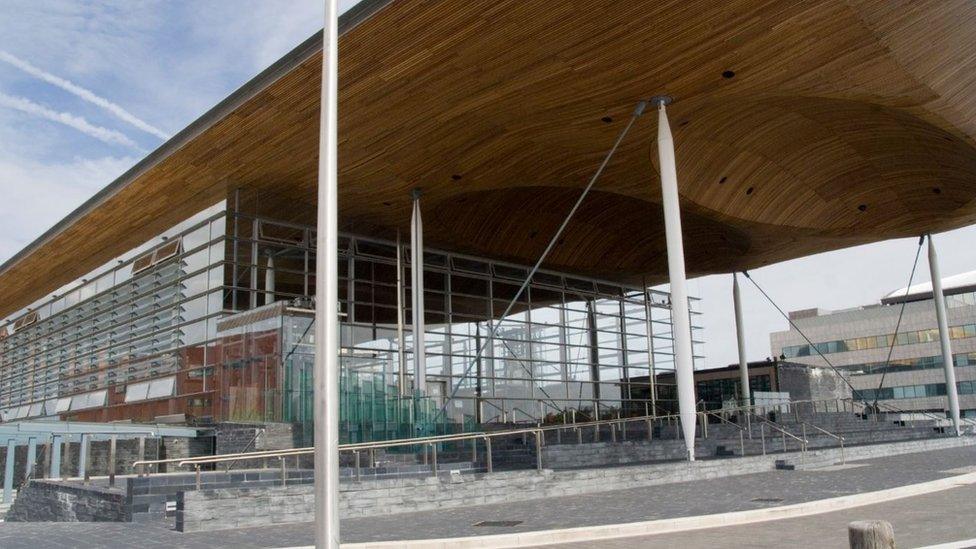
800	127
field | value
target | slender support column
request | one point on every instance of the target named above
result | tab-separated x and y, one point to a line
46	466
83	456
269	280
255	261
680	316
8	472
326	374
112	445
740	338
417	295
940	314
55	471
31	458
401	342
649	326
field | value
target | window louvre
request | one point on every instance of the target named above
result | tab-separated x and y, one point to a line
26	320
167	251
142	263
154	257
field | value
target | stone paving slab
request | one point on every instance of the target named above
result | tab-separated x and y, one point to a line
928	519
631	505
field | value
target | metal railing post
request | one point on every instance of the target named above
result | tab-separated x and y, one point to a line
762	435
284	473
433	454
111	460
650	430
198	479
142	454
359	473
742	444
488	453
784	440
538	450
613	433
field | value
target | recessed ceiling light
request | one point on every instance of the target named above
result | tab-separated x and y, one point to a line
728	74
607	119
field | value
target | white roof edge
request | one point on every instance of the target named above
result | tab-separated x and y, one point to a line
948	283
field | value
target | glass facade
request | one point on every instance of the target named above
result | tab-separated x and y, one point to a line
78	349
881	341
915	391
716	392
214	321
906	364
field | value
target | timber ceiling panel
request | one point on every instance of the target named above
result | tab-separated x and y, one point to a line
844	123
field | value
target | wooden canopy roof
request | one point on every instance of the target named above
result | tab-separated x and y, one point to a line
800	127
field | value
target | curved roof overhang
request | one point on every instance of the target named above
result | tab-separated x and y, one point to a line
844	123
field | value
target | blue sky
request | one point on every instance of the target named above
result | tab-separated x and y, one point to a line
164	63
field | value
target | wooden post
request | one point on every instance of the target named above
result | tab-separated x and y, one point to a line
871	534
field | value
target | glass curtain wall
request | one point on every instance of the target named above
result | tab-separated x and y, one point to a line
571	345
151	334
112	338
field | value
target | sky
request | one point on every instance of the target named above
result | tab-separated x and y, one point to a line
87	88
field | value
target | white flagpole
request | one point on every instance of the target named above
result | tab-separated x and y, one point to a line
326	375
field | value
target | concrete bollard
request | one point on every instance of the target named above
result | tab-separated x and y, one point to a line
871	534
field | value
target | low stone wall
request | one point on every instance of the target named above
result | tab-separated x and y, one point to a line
239	508
602	454
829	456
48	501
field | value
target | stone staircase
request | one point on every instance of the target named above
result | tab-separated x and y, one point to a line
592	448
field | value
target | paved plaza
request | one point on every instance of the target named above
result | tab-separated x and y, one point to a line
640	504
929	519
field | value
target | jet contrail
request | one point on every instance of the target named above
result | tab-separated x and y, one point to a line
83	93
104	134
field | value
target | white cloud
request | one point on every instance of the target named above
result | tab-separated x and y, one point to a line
83	93
39	194
98	132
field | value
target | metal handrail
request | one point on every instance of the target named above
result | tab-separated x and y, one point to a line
267	454
840	439
777	427
787	403
742	441
485	436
